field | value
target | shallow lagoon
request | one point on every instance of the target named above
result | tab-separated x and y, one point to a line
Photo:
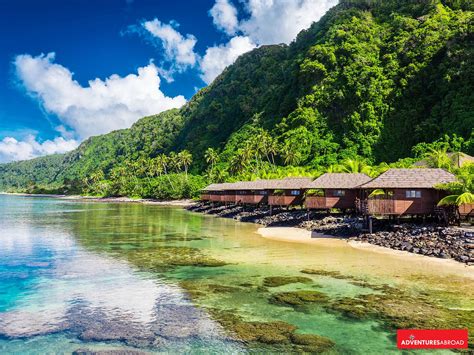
98	276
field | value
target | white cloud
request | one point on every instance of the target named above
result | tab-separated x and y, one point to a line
178	49
219	57
279	21
102	106
268	22
224	16
12	149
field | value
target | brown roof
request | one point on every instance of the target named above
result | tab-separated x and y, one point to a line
339	181
283	184
211	187
410	178
289	183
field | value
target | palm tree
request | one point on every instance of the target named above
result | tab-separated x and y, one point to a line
174	162
157	166
462	190
457	200
185	159
290	156
211	157
438	158
268	146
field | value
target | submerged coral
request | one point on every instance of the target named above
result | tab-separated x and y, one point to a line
164	258
275	281
298	298
281	334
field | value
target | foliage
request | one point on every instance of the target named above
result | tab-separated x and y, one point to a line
371	83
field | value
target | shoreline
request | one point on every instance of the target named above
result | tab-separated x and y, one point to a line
409	238
145	201
303	236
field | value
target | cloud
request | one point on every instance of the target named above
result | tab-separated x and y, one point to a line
12	149
224	16
279	21
101	106
217	58
268	22
178	49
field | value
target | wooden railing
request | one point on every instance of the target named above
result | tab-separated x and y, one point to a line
284	200
321	202
249	199
466	209
381	206
227	198
214	198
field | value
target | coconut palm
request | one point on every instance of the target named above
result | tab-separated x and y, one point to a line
290	156
462	190
438	158
185	159
211	157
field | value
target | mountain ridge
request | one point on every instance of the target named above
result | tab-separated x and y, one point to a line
365	77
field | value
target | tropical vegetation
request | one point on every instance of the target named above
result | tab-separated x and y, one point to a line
374	84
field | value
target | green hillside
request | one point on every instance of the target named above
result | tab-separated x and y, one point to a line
368	82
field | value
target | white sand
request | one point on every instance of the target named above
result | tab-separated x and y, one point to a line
299	235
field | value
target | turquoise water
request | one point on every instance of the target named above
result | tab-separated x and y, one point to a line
95	276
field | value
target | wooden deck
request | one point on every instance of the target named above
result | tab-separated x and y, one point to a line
466	210
321	202
285	200
250	199
227	198
398	207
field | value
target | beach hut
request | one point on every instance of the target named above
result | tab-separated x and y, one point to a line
405	192
288	191
251	192
210	193
335	190
227	193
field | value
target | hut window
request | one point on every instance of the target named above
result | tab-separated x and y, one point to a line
413	194
339	193
295	192
262	192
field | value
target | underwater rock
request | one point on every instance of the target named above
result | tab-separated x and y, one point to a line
108	352
333	274
298	298
257	335
164	258
312	342
275	281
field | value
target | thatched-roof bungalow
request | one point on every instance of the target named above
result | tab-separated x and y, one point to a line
405	191
335	190
287	192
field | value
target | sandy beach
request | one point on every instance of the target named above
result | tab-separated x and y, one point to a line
302	236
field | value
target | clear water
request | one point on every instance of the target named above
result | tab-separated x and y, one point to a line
95	276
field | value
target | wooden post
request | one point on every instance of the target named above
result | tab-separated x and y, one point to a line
370	225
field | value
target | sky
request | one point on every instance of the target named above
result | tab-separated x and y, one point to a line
78	68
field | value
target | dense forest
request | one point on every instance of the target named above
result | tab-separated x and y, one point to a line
373	84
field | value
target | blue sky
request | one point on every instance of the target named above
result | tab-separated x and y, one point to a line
72	69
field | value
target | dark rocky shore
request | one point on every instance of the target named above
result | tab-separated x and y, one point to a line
425	239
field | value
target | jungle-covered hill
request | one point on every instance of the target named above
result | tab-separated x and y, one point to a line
369	81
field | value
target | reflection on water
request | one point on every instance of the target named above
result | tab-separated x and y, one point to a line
108	276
